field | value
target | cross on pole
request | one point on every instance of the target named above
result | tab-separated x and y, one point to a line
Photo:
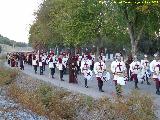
86	65
88	74
119	65
100	65
158	66
146	63
137	67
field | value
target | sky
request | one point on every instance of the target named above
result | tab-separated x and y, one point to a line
16	17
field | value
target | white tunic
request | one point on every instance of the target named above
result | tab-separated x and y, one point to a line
135	67
118	68
51	65
145	66
44	58
113	64
99	68
103	58
64	61
59	66
34	62
79	60
47	61
156	69
85	69
93	57
85	65
54	59
151	66
40	64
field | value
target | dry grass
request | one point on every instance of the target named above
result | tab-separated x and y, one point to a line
45	102
134	107
7	76
58	104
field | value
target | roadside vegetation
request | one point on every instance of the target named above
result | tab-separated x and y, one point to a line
59	104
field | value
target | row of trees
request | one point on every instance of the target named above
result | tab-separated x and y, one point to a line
102	23
7	41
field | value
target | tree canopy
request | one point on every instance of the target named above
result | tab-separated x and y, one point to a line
103	23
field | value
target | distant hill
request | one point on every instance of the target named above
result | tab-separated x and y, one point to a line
7	41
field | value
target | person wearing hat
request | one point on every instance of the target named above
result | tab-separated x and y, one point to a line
118	69
156	74
145	69
135	69
99	68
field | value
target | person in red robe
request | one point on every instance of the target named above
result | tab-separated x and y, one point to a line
13	62
73	69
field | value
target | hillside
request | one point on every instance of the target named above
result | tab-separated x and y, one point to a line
7	41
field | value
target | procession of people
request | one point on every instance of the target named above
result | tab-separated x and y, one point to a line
87	65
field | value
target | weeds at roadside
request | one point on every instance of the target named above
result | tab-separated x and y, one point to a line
58	104
7	76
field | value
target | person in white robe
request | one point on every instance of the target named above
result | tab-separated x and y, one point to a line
156	74
118	69
136	74
60	67
34	63
145	70
65	63
51	67
152	63
99	69
85	70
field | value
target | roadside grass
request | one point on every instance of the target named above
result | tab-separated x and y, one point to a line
136	106
58	104
7	76
45	101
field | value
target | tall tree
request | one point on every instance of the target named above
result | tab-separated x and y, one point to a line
137	16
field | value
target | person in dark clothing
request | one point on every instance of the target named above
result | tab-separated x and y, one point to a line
41	66
127	63
21	64
73	69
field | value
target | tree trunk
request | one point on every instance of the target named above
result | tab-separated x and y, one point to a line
97	52
134	38
98	46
